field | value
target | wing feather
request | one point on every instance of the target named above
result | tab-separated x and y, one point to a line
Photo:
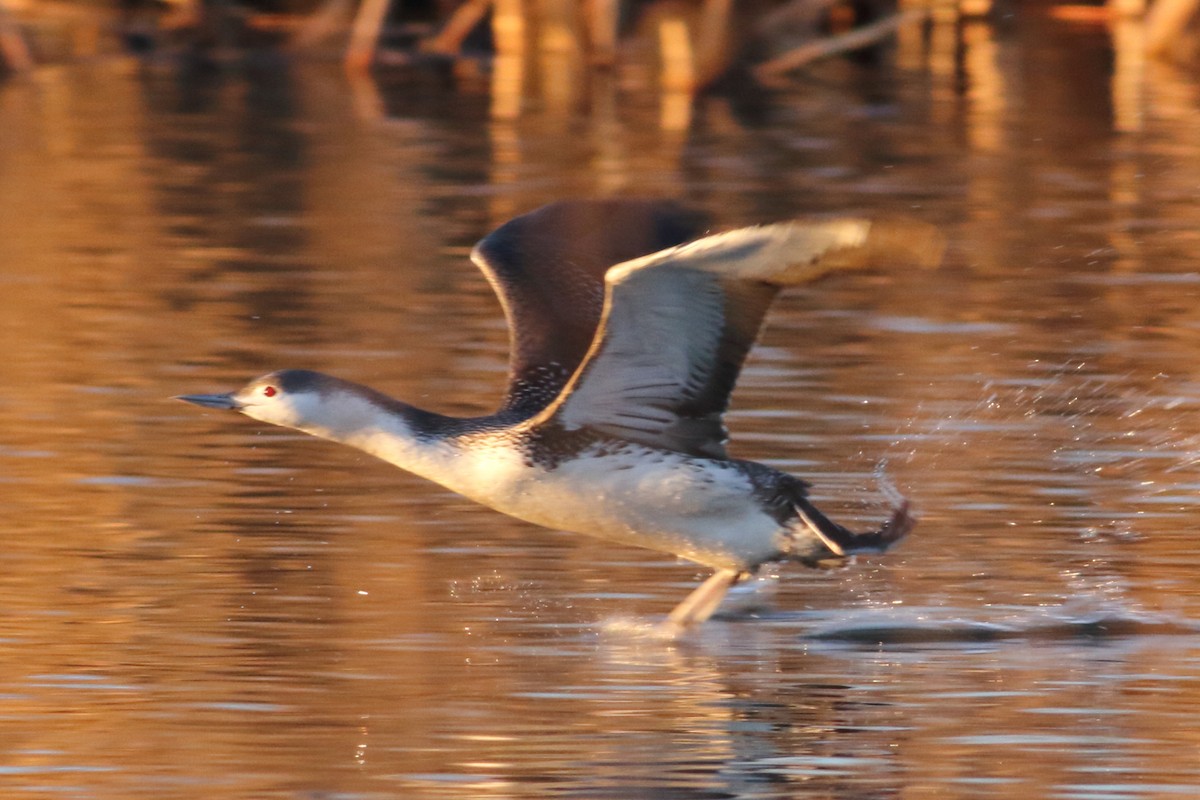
547	268
677	325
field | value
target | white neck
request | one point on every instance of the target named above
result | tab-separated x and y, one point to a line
393	431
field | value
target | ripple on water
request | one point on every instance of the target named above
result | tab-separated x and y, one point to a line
901	625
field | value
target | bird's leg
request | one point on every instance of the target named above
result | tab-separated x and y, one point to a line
703	601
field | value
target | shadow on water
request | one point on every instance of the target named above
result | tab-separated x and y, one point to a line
921	626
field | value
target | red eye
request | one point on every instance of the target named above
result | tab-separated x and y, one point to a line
270	391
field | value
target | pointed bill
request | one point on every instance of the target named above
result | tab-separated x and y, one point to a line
225	401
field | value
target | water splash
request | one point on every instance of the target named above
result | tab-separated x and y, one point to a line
746	598
638	628
1112	447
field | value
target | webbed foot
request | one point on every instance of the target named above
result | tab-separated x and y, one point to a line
842	542
702	602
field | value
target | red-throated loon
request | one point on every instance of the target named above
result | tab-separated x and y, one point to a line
628	333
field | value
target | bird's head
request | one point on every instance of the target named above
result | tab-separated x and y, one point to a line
292	398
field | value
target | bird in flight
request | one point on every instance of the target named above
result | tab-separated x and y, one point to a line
628	329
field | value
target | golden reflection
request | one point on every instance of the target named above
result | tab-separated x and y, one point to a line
508	27
508	86
986	89
675	44
678	77
364	92
1129	73
941	59
191	603
912	40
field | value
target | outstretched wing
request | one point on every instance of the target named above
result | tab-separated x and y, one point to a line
677	324
547	267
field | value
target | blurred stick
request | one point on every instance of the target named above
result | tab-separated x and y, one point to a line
13	50
856	39
602	17
364	36
1165	20
465	18
712	41
323	23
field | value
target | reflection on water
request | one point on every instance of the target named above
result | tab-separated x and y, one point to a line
192	605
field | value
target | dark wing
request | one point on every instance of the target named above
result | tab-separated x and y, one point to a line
547	267
677	325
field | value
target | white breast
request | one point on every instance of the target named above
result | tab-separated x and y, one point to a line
664	501
699	509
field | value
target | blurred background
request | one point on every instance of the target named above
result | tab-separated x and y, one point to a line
196	605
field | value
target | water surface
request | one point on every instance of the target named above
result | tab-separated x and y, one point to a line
194	605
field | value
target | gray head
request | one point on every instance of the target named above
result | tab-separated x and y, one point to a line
293	398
